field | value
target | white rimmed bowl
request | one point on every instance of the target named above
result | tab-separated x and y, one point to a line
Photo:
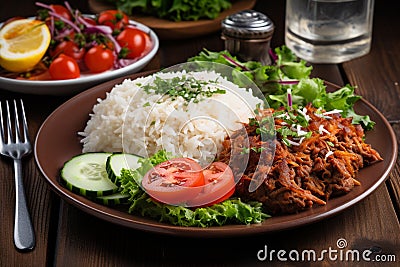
74	86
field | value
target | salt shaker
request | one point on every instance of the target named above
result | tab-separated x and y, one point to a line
247	35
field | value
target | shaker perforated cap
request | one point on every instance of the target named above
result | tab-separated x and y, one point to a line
248	24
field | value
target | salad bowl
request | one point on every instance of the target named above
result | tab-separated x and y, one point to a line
85	81
171	30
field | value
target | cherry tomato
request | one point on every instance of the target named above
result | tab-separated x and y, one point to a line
115	19
109	44
99	58
69	48
219	185
61	11
175	181
134	40
63	68
149	44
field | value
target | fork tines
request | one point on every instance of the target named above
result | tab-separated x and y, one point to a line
6	113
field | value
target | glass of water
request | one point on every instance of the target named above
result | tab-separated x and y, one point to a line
329	31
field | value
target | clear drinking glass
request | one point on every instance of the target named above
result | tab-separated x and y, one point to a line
329	31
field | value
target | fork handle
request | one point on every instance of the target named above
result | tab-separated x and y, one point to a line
24	237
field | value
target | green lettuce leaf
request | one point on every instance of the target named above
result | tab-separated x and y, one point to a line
289	64
174	10
343	99
288	72
312	91
230	211
364	120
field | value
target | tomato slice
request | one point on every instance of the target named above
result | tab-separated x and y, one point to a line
175	181
219	185
182	181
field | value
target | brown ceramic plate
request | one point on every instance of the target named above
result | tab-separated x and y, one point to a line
170	30
57	141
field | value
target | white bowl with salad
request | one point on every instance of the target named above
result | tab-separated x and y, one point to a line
129	47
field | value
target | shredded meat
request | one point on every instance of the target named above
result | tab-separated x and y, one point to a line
310	172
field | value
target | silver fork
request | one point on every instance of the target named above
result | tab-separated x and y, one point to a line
16	146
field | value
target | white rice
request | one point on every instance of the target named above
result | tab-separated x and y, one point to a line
133	121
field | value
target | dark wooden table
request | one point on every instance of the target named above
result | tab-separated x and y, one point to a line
67	236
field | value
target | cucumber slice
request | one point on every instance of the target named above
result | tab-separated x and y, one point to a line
114	199
118	161
86	174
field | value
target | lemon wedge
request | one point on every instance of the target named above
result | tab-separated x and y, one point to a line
23	43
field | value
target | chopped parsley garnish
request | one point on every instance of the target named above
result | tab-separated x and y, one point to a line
330	143
187	87
246	150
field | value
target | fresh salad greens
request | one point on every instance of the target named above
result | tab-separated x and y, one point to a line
174	10
229	211
288	72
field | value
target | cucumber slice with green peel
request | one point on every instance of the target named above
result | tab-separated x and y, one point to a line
118	161
114	199
86	174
